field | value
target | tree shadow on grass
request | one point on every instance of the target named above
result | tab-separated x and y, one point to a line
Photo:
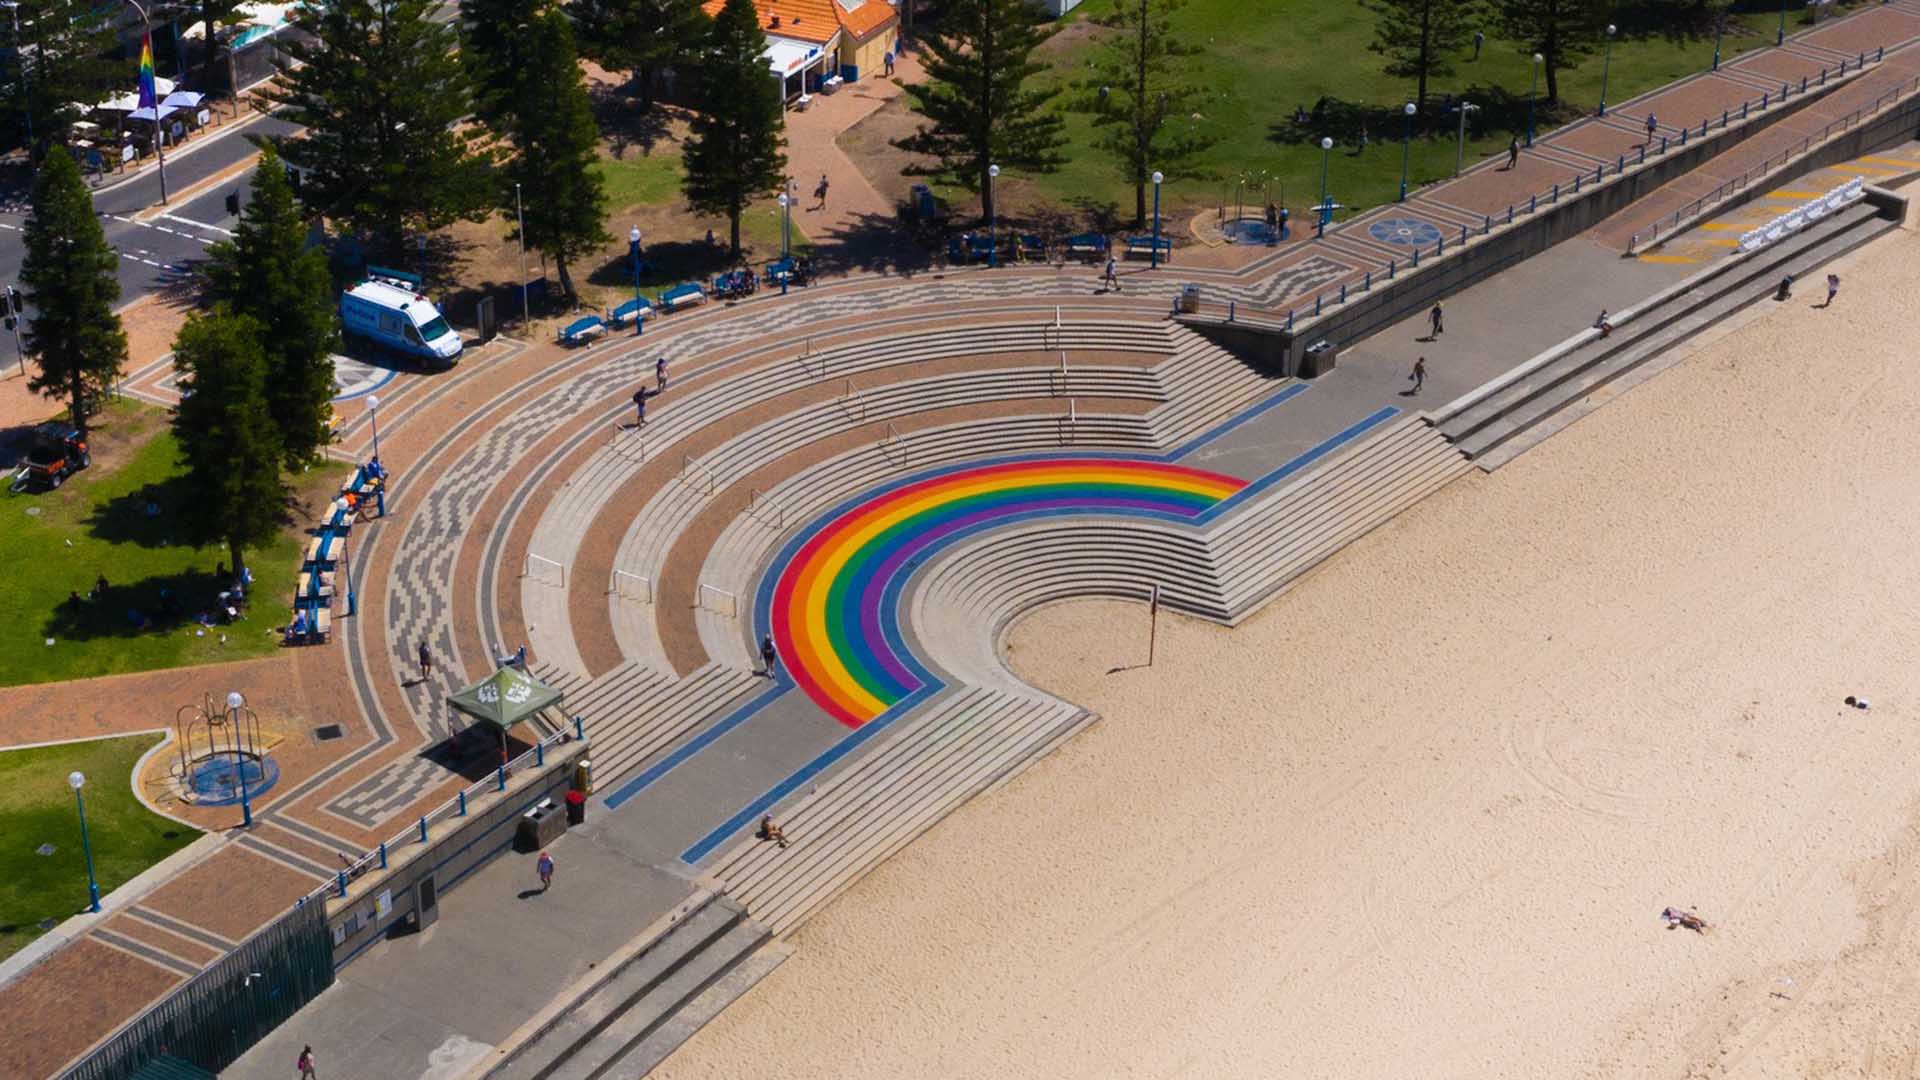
160	604
1496	109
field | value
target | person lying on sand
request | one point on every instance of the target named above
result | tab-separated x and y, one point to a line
1677	917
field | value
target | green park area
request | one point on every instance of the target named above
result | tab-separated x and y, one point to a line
46	878
1254	70
119	520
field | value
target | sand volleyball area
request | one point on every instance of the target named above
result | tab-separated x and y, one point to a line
1420	816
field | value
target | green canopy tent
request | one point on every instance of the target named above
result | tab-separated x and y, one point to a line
503	699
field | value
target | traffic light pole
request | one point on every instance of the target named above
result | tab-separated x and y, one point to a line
14	315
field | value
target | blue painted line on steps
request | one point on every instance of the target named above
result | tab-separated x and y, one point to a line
698	743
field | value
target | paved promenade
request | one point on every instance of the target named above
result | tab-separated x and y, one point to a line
524	434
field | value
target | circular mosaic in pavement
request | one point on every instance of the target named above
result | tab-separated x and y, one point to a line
1406	232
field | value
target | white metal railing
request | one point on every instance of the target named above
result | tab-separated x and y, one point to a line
629	443
1057	379
535	568
892	441
853	403
759	501
1070	423
692	473
808	360
717	600
631	586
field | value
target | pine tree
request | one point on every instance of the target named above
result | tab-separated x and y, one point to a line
978	62
556	147
646	37
270	273
382	95
1419	36
72	282
1137	88
734	153
60	55
227	438
1562	32
493	47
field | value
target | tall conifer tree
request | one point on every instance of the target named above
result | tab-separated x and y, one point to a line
72	283
733	156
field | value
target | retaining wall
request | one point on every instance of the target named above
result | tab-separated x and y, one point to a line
418	874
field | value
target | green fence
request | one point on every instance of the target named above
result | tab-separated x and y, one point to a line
218	1014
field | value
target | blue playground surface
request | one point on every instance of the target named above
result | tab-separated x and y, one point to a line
215	781
1250	231
1406	232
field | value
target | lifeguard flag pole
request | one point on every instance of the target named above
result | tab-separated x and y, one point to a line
150	100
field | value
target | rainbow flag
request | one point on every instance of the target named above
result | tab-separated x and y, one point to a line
147	98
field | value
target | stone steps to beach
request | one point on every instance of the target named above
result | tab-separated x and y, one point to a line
956	746
1511	414
1204	385
648	723
625	1023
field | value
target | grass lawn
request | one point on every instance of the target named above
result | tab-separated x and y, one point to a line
98	523
37	807
641	179
1257	68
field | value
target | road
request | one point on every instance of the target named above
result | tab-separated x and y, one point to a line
158	250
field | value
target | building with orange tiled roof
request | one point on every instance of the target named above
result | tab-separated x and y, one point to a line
811	43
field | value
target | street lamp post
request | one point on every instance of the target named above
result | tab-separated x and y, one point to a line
1606	67
159	134
373	415
1719	31
1154	262
234	704
1781	37
633	250
1406	146
1533	85
1460	150
1326	204
76	781
993	246
786	224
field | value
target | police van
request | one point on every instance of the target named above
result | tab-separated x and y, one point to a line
387	309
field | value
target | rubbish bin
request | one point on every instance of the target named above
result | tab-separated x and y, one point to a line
1189	299
1318	359
923	201
540	826
576	808
583	776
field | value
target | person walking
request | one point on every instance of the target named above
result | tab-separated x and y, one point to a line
888	59
1419	376
426	663
1111	279
1513	152
1653	127
1833	289
305	1064
1435	317
660	374
769	658
640	407
545	869
820	193
1479	39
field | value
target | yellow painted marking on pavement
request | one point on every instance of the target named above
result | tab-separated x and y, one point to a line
1668	259
1864	170
1722	243
1726	225
1893	161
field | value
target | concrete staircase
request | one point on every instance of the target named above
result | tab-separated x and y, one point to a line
961	744
656	712
644	1008
1509	415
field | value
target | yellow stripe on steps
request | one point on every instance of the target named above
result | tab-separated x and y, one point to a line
1667	259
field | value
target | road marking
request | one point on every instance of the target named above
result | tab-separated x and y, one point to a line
1795	194
1727	225
1902	162
198	224
1721	243
1864	170
1668	259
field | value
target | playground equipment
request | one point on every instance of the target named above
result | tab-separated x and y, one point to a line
223	754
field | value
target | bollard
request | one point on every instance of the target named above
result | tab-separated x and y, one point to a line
1823	76
1289	318
1416	258
1576	183
539	754
1765	100
1743	109
1620	165
1463	236
1663	144
1683	136
1643	155
343	883
423	828
1703	129
463	804
1367	285
1533	204
1232	305
1556	192
1390	269
1509	213
501	785
580	728
1440	248
1723	117
1343	292
1803	84
383	854
1486	223
1880	55
1316	304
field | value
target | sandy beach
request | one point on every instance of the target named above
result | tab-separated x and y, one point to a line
1420	816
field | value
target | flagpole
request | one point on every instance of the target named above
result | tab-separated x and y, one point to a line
159	133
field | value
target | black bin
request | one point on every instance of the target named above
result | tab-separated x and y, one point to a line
539	827
576	808
1318	359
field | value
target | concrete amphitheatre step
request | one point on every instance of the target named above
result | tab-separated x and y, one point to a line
631	1019
648	722
956	746
1496	423
1279	535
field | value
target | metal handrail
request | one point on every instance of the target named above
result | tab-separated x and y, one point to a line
688	465
643	582
733	600
526	568
757	498
852	393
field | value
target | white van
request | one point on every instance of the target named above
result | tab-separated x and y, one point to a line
387	309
